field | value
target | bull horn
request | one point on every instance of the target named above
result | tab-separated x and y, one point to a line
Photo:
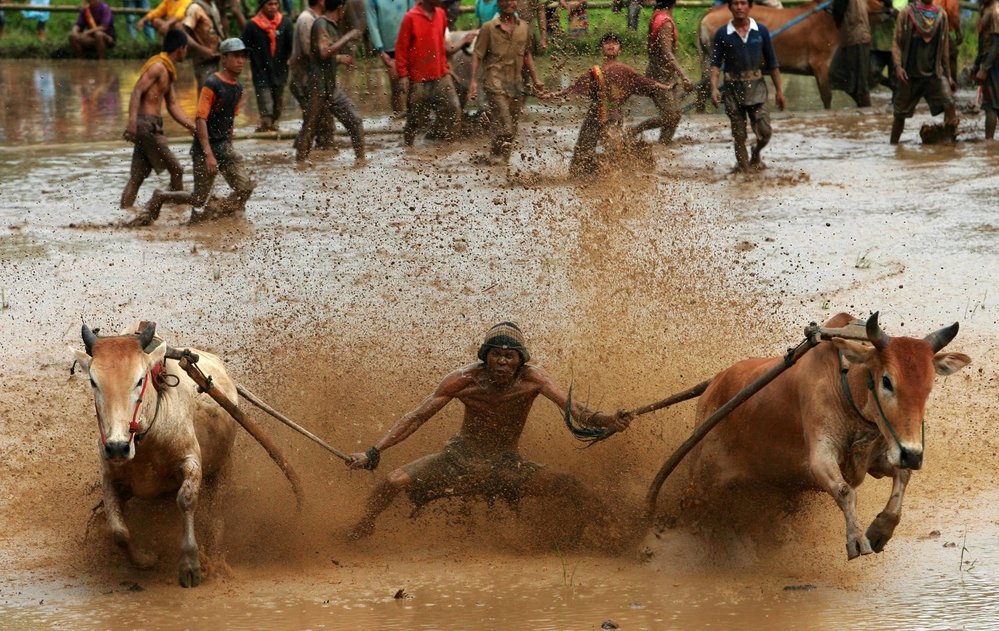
876	336
941	338
89	339
146	335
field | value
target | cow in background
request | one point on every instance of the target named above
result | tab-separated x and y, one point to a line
843	411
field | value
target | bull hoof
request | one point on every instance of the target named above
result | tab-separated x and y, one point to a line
881	530
190	574
857	547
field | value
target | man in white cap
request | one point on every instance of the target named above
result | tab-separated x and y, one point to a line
482	459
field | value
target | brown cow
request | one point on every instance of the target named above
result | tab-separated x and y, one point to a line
844	410
157	434
806	48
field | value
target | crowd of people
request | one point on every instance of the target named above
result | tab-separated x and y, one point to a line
410	39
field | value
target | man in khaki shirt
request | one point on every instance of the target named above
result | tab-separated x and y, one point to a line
502	51
203	24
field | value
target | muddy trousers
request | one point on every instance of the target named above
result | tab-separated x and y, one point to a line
326	132
151	152
634	13
432	97
584	154
667	121
324	106
270	103
232	169
759	119
504	113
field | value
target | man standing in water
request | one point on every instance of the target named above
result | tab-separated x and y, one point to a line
421	59
664	67
851	65
503	51
145	118
920	51
268	38
204	28
744	48
212	151
325	98
482	458
609	86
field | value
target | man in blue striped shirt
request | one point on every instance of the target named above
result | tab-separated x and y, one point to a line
384	19
744	50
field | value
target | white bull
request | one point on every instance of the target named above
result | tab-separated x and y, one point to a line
157	434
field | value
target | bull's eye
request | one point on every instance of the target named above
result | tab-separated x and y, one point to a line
886	384
138	384
93	384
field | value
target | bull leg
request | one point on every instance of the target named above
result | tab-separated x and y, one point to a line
119	531
825	468
187	500
883	526
822	81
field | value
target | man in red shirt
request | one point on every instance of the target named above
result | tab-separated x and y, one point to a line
421	61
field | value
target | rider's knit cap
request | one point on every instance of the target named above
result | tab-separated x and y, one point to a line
505	335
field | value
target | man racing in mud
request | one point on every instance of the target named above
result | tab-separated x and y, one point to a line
482	458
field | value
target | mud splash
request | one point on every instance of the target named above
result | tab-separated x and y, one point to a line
344	295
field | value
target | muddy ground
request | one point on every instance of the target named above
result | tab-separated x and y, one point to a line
343	295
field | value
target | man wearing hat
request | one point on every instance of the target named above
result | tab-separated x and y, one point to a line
482	459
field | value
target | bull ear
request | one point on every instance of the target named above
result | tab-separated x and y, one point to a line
877	337
853	352
146	335
89	339
949	363
156	355
81	358
938	339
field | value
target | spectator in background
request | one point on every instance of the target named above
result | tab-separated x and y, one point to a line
203	24
268	39
298	74
851	64
132	19
384	19
166	15
486	10
452	9
986	69
94	29
3	21
421	58
42	17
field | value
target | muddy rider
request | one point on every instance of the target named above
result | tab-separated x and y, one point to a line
744	48
920	51
609	86
482	459
145	118
212	151
664	67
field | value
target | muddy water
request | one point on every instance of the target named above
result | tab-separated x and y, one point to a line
344	294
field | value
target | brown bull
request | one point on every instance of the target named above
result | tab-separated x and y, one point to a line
843	411
805	48
157	435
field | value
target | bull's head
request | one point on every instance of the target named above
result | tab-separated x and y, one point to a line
899	379
120	372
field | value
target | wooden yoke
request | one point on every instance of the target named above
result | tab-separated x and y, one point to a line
189	364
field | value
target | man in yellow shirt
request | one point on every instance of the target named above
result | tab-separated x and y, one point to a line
165	16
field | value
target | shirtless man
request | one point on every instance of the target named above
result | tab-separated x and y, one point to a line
609	87
145	118
664	67
205	31
482	458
